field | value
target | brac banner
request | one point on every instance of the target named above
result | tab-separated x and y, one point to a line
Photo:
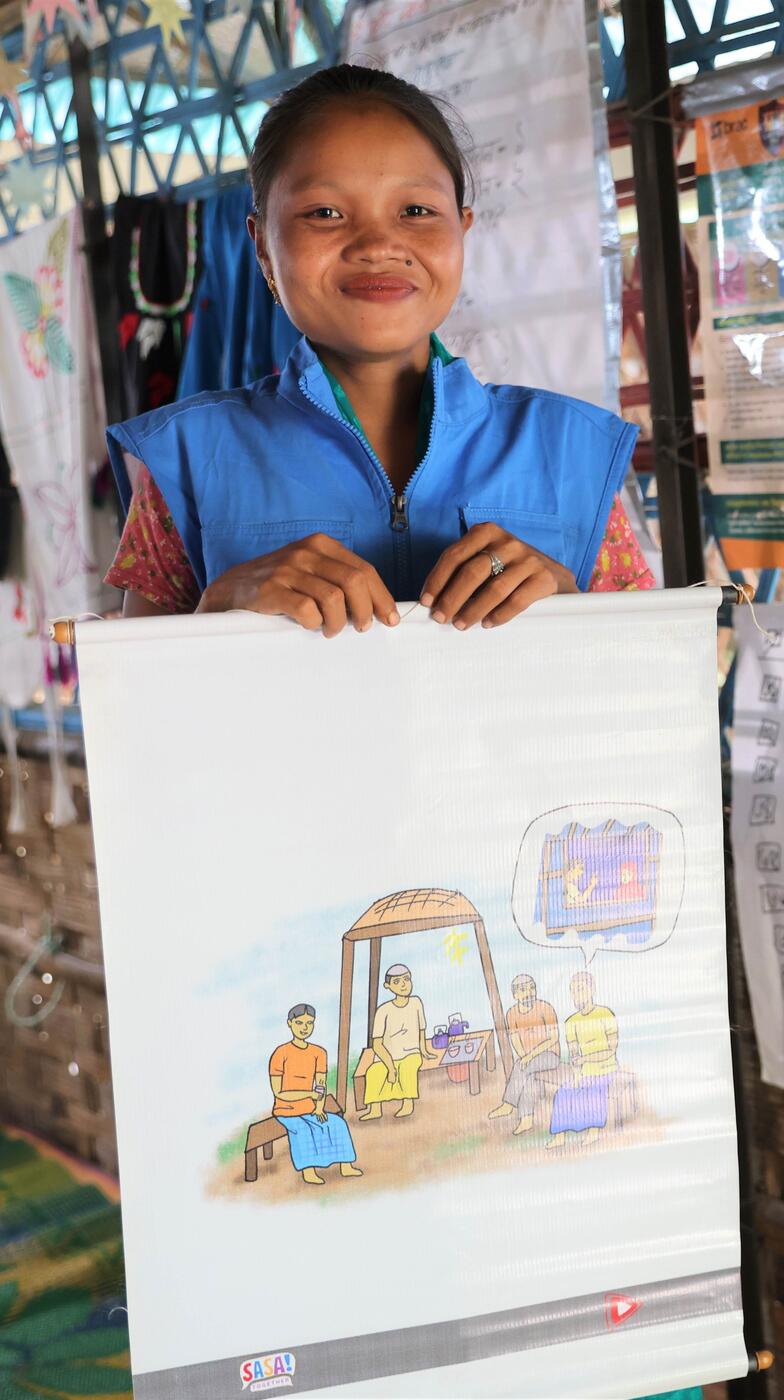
415	959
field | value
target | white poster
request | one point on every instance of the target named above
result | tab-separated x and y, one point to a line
532	305
758	823
417	992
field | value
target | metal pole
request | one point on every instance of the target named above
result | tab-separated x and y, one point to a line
282	12
96	238
661	266
344	1021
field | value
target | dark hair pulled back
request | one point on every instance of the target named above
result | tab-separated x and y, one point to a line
349	82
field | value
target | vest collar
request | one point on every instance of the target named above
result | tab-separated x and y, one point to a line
459	395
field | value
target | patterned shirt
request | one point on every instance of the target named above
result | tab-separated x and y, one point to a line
151	558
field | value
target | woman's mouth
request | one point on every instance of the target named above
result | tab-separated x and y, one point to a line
378	288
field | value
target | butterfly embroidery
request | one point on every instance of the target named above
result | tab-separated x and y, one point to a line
61	510
38	306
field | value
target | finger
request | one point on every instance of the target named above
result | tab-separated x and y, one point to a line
315	549
356	587
281	601
329	596
470	577
493	594
383	602
478	537
538	586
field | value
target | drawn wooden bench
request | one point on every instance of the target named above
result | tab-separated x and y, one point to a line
266	1133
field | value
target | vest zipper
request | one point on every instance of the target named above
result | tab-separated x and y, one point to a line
399	512
398	503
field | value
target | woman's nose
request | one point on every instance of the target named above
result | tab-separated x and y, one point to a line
375	242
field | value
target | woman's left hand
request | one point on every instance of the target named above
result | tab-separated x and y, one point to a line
463	590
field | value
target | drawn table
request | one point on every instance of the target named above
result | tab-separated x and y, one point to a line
482	1044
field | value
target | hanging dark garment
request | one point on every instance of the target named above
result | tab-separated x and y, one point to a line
239	334
9	511
156	256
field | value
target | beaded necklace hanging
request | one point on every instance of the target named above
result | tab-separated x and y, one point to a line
159	308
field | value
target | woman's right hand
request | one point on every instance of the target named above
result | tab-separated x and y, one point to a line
316	582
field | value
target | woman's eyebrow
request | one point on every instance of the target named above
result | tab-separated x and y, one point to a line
416	183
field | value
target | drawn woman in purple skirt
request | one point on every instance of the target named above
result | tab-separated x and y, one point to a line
592	1041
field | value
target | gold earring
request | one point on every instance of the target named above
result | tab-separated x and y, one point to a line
273	289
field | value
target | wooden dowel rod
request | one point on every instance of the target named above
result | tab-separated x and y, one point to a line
63	631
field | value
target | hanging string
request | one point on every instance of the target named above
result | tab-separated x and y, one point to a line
644	113
411	611
745	595
48	943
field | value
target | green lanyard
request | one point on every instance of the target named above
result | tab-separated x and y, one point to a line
425	418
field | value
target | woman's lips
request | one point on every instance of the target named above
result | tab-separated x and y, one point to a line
378	288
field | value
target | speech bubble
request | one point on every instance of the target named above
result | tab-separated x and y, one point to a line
601	877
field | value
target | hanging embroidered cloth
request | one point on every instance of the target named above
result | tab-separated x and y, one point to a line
156	260
51	407
238	334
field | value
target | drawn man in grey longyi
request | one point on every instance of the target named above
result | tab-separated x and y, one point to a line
533	1031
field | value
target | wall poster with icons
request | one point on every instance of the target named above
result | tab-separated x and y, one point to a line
740	190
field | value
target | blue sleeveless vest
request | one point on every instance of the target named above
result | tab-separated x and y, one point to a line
245	471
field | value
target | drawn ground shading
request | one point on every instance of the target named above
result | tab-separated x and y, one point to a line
448	1126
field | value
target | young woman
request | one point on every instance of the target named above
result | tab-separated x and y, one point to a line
375	468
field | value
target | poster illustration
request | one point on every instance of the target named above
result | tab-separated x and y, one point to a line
420	1047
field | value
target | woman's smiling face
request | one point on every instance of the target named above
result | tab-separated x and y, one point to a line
362	232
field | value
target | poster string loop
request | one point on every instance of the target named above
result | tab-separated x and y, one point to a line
744	595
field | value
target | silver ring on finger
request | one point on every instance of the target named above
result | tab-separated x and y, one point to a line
497	565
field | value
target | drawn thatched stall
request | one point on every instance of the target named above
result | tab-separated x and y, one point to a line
410	911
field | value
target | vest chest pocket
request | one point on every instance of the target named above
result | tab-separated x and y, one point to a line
227	544
547	533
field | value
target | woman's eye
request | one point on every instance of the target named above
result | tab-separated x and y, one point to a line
416	209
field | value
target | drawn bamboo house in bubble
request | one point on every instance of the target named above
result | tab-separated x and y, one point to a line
601	881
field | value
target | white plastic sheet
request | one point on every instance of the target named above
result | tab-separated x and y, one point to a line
278	821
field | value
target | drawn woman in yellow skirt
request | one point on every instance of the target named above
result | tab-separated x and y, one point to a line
400	1046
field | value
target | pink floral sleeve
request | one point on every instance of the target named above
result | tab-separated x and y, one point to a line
620	563
151	558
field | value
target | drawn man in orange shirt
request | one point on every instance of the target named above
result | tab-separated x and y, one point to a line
533	1031
298	1078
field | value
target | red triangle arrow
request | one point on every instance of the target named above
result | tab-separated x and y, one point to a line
619	1308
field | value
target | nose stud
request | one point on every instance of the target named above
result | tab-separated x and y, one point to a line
409	263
